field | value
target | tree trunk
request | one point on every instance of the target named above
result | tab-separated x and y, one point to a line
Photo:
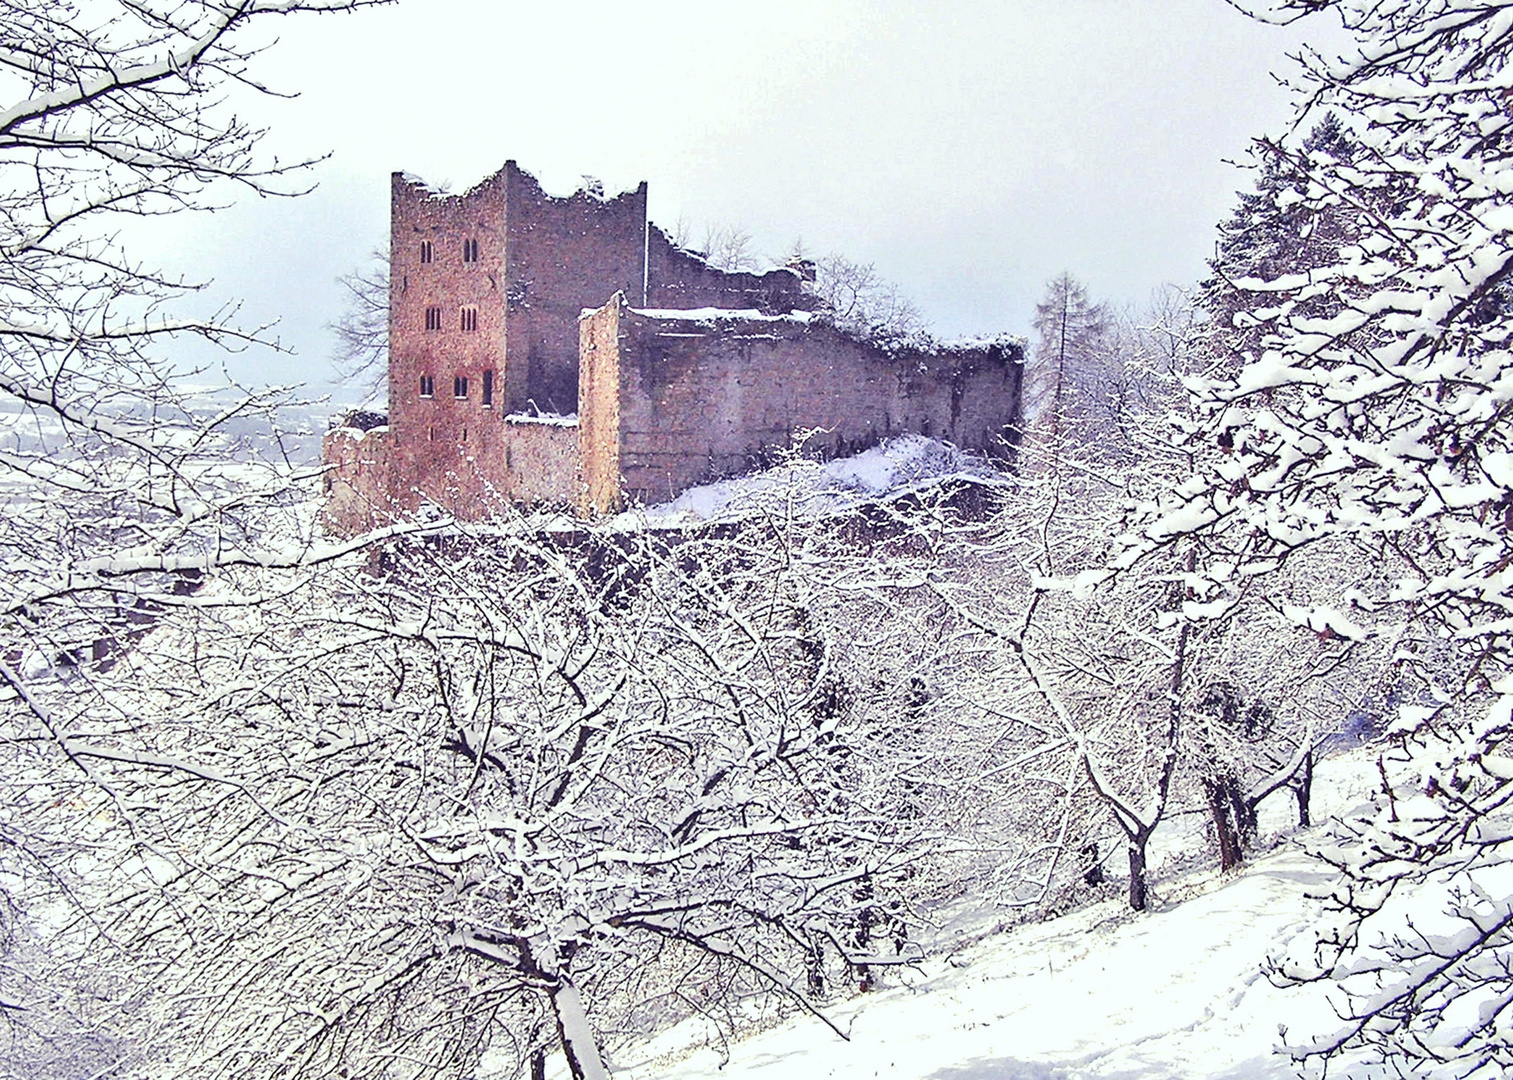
1092	866
538	1065
1304	791
577	1037
1219	808
864	931
1247	816
814	966
1137	894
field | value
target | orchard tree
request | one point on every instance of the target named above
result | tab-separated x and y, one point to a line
1133	677
1084	693
1276	692
1372	413
510	797
121	482
122	491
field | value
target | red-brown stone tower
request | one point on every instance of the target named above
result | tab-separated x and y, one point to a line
486	290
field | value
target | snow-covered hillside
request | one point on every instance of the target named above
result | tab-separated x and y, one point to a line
1177	992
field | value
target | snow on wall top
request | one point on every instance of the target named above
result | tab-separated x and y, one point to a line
712	314
429	190
983	341
357	434
551	419
591	190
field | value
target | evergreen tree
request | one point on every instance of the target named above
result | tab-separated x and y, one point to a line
1275	231
1065	394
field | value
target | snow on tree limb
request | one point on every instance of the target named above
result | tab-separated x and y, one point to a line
1362	409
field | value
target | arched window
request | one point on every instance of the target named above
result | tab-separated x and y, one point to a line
425	251
470	251
470	318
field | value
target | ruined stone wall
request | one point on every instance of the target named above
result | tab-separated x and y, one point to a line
541	463
698	398
565	254
367	486
982	378
599	407
678	279
358	479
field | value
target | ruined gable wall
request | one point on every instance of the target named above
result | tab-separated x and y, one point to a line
967	395
981	380
700	399
677	279
443	446
565	255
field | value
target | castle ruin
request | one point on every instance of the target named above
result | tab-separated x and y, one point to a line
565	351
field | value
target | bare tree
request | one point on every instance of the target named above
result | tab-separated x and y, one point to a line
511	789
117	473
121	489
859	301
728	248
1149	351
1117	694
362	332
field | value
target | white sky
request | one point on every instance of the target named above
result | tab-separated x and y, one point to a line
971	149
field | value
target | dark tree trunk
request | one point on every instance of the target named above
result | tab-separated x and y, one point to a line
1221	808
814	965
1092	865
538	1065
1304	791
864	931
1246	815
1137	894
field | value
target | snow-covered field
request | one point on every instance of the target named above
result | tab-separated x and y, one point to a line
1102	993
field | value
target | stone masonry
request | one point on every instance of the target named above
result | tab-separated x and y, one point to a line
564	351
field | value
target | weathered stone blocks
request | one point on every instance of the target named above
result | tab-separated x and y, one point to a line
511	377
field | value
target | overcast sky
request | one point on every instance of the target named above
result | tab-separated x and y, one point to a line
971	150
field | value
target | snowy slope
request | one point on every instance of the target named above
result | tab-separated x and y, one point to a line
1100	993
891	469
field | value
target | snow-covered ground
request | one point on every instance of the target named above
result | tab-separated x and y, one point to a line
1100	993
